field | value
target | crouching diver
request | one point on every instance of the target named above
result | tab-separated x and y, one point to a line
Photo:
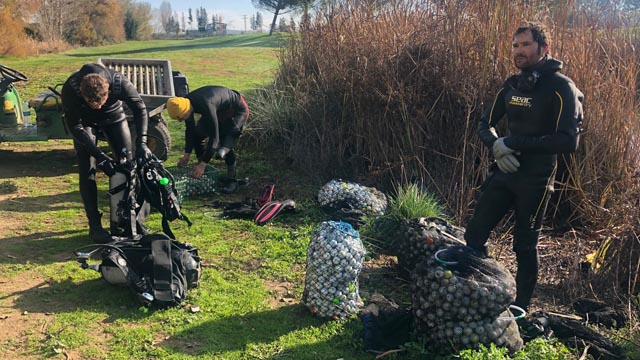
224	114
93	99
544	114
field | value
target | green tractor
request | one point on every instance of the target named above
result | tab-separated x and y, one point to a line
18	123
13	113
154	80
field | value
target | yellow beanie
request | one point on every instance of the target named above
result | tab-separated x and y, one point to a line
178	107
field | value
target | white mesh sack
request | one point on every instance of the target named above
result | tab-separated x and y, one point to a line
338	195
334	261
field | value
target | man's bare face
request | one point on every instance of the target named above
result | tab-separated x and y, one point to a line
526	52
95	103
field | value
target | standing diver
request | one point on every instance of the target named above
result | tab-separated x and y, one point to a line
544	113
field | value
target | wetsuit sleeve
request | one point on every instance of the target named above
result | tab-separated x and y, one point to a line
490	119
567	112
214	132
73	120
133	100
189	134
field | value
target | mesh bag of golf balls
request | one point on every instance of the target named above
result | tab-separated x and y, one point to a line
351	199
458	335
457	290
420	238
334	261
188	186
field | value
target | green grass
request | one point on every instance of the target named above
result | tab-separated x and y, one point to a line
412	202
61	311
409	202
240	62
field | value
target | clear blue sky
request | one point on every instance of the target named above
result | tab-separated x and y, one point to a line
232	11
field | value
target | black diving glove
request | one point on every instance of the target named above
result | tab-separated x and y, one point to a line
143	152
106	164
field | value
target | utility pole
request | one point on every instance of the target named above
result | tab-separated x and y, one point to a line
245	22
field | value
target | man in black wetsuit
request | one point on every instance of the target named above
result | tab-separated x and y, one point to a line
543	109
224	114
92	100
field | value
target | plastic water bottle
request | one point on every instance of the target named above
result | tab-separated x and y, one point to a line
26	115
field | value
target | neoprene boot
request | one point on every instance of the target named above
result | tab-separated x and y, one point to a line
97	233
232	185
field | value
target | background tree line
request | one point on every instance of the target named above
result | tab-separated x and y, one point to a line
37	26
31	26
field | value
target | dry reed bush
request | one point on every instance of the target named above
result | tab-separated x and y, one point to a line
397	89
400	88
603	185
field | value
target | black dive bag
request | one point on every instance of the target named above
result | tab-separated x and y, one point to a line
157	268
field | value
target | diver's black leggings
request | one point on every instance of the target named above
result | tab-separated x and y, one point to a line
119	138
529	203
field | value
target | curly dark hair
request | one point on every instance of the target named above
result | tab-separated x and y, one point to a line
538	32
95	89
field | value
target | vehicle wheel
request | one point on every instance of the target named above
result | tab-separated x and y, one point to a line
159	138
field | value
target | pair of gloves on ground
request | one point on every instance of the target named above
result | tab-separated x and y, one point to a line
108	165
505	157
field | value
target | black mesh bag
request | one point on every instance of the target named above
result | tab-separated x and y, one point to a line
420	238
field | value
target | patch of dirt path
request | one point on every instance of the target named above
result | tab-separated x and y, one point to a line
14	323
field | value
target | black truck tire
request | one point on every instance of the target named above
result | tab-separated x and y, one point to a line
158	137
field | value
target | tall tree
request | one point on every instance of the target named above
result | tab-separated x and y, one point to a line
292	24
137	20
99	22
173	25
202	19
277	7
259	21
165	14
107	22
190	18
282	26
56	18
